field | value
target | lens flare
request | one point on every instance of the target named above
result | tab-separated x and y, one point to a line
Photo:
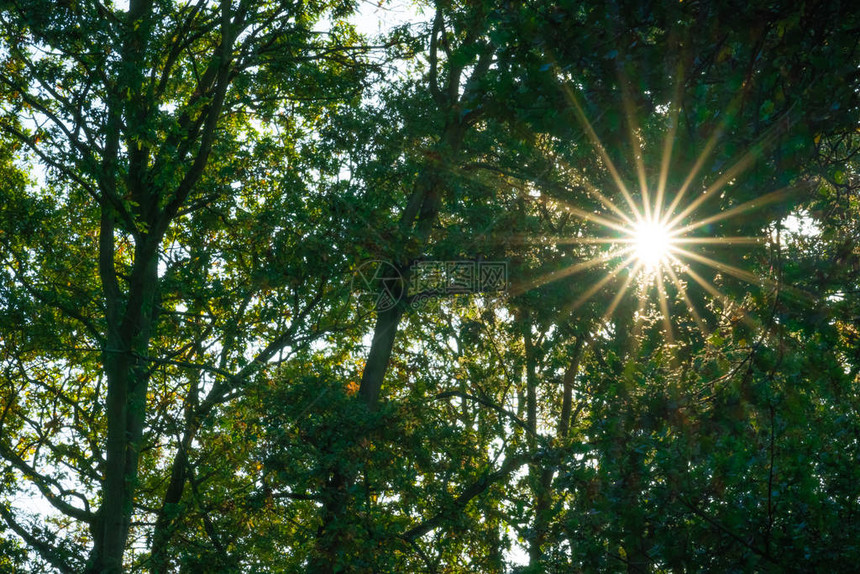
652	234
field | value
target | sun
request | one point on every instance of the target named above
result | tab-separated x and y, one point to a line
652	242
653	233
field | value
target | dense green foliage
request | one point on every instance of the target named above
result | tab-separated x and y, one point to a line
188	383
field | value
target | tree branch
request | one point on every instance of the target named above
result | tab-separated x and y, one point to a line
475	489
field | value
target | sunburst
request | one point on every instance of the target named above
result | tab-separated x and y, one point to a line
654	233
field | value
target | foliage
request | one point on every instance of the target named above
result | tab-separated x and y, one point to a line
187	385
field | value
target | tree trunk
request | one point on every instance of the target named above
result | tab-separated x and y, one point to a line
163	530
539	477
543	476
416	223
128	340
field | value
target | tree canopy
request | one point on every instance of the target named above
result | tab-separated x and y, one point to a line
611	251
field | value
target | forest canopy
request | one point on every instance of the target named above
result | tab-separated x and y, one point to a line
432	287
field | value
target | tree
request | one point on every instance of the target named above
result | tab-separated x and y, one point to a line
207	394
133	305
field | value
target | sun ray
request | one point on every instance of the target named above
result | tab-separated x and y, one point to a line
640	312
592	190
717	240
595	141
632	132
736	169
668	143
606	221
592	240
664	309
621	292
761	201
585	296
608	203
690	307
700	280
761	280
745	317
706	151
587	216
567	271
700	161
724	267
527	239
